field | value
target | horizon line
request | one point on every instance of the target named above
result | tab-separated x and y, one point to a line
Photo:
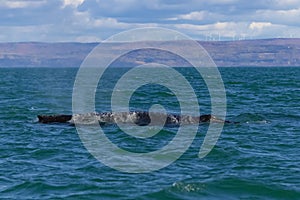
200	40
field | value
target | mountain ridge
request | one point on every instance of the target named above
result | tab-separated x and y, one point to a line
242	53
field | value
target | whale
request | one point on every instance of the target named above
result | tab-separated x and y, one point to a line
140	118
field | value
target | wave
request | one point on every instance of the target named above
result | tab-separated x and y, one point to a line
251	118
227	188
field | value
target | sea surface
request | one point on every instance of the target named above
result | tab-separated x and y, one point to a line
257	158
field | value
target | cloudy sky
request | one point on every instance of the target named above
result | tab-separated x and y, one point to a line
95	20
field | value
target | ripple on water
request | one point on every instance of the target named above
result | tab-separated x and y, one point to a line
255	159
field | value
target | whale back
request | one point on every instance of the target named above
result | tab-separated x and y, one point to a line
139	118
54	118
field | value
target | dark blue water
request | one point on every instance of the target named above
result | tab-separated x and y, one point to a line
258	158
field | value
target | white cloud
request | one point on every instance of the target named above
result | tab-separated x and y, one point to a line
21	4
25	33
193	15
290	16
216	31
74	3
284	4
88	20
270	30
239	30
109	22
259	25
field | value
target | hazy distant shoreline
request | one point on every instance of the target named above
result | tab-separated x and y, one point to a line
262	53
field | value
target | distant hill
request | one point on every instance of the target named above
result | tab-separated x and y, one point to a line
267	52
33	54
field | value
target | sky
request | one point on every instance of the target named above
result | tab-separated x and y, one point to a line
96	20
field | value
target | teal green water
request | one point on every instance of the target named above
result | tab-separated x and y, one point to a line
256	159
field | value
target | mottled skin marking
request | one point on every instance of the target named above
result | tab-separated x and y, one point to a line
139	118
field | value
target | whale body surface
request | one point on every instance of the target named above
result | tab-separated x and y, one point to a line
139	118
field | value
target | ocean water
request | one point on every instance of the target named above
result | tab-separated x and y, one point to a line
258	158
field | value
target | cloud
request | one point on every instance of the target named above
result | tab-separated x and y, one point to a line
216	31
28	33
12	4
259	25
287	17
87	38
109	23
285	4
74	3
85	20
196	15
